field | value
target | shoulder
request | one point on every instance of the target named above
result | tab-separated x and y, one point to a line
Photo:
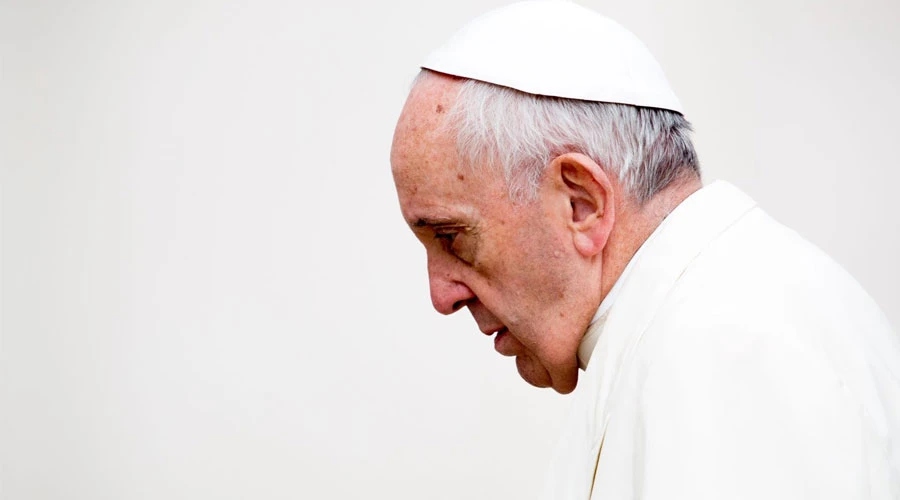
762	278
763	305
756	374
763	323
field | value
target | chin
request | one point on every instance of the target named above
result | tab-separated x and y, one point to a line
566	386
535	374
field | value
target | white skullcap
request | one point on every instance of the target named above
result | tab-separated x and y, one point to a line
556	48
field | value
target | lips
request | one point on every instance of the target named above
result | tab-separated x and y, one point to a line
504	343
501	343
493	330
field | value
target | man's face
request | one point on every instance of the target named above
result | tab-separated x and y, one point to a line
512	265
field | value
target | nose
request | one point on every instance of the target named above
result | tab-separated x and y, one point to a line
448	293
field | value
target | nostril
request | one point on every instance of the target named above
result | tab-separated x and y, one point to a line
448	296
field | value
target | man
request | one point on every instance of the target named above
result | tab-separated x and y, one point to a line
545	164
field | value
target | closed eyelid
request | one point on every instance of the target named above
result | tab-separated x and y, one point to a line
434	223
440	231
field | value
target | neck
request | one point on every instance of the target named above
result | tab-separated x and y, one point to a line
635	223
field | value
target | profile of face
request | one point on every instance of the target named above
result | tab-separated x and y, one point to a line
528	272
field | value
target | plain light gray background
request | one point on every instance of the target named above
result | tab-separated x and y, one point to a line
207	287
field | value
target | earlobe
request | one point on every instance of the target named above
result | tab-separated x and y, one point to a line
585	245
588	191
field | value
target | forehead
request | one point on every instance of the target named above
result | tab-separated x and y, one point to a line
422	139
430	180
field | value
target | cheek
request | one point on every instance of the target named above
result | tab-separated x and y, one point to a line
532	371
541	267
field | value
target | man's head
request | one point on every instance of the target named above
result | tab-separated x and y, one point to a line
527	205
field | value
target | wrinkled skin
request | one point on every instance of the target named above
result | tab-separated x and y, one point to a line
531	270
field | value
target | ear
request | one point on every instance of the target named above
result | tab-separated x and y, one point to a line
584	196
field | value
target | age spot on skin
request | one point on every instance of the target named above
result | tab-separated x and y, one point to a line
461	177
439	109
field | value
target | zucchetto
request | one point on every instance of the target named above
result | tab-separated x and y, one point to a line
556	48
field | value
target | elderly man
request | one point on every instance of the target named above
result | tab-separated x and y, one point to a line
547	168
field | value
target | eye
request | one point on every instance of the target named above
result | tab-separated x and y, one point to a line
446	238
455	241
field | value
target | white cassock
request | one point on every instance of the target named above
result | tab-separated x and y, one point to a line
733	360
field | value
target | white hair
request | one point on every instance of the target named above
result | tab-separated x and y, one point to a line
645	149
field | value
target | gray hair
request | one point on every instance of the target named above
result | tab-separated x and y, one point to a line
645	149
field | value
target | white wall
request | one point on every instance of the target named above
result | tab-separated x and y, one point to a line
208	291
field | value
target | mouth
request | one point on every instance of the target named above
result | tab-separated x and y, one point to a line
498	341
499	331
492	330
502	340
